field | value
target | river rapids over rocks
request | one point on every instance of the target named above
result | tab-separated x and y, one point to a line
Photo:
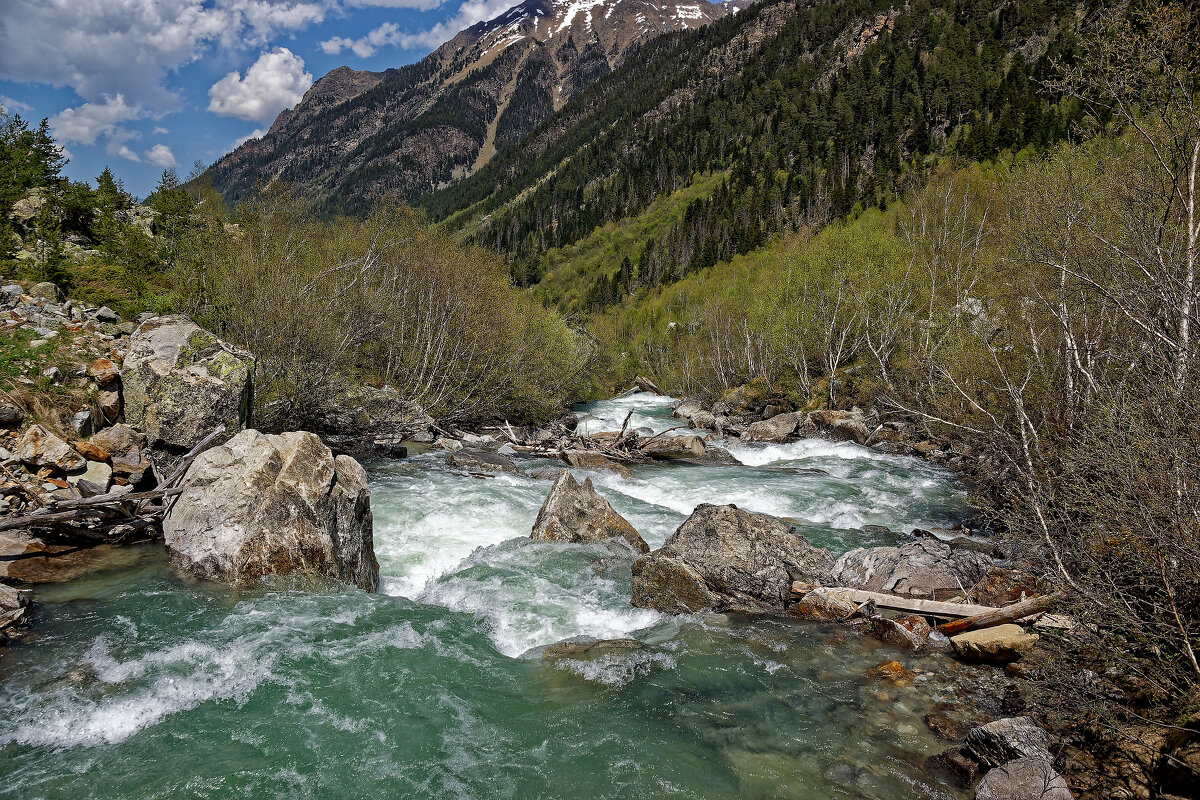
143	685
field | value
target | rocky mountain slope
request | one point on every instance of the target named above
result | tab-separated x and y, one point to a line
358	136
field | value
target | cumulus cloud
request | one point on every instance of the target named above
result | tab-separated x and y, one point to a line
388	34
161	156
86	123
364	47
102	47
11	106
258	133
275	81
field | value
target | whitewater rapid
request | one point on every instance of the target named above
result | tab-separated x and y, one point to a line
147	685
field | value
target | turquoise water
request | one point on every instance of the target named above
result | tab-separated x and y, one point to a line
145	685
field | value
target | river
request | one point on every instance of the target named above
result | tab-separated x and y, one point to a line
143	685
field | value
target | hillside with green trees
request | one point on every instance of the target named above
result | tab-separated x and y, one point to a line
324	304
809	110
1038	308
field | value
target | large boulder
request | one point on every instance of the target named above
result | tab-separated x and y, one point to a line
778	428
925	568
1008	739
575	512
273	505
180	382
723	558
1023	779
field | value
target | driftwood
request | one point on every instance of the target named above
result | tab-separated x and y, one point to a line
894	602
1000	616
623	445
113	516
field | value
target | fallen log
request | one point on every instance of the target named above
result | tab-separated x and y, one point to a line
915	604
72	510
1000	616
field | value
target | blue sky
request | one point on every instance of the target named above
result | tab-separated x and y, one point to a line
140	85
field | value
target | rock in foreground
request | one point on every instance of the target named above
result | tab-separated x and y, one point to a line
575	512
181	382
273	505
725	559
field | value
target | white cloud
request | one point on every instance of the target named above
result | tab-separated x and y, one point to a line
84	124
388	34
423	5
11	106
159	130
257	134
469	13
129	47
275	81
118	149
364	47
161	156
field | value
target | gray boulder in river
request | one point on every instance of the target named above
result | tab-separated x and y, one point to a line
575	512
273	505
725	559
180	382
925	568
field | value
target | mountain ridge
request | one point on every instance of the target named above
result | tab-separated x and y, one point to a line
358	136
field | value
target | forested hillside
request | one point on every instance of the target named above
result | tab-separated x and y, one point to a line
811	108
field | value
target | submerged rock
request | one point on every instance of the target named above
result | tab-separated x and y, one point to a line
593	648
954	766
723	558
925	568
575	512
1023	779
180	382
482	462
273	505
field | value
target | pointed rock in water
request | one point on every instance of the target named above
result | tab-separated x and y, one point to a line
273	505
723	558
575	512
180	382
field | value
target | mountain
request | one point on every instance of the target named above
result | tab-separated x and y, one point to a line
356	136
787	114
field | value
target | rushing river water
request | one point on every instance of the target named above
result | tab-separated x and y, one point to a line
144	685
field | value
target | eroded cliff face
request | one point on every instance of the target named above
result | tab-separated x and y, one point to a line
357	136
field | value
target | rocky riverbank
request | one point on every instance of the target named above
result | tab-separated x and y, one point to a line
155	439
